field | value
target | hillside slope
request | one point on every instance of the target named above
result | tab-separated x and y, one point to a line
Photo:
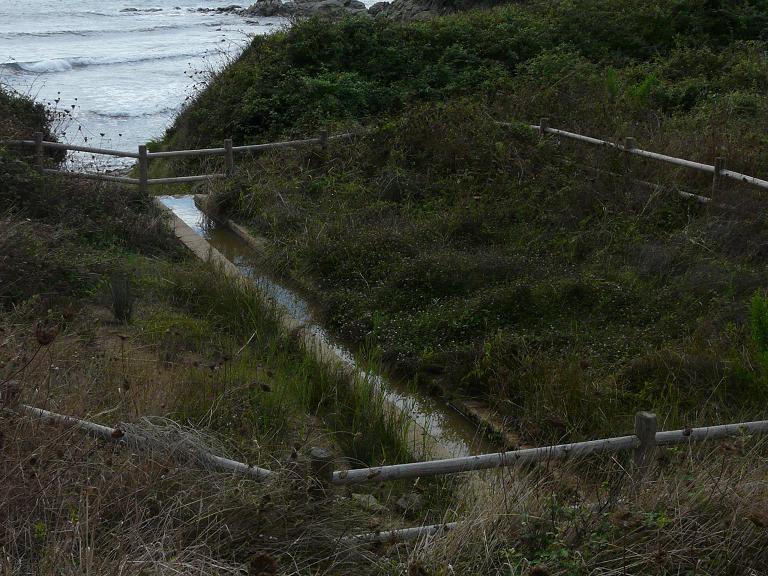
543	276
104	317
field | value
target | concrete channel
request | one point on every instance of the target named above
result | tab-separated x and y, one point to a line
438	430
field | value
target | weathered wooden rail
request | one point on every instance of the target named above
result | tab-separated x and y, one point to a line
118	435
143	156
228	150
643	443
717	169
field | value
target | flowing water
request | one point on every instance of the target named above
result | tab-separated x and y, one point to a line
454	434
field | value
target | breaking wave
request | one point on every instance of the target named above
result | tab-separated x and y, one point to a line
65	64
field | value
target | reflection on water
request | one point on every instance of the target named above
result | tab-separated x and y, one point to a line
453	433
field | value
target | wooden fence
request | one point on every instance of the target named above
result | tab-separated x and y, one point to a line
143	156
228	150
643	443
717	169
121	436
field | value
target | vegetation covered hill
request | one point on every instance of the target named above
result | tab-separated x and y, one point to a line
478	257
102	317
548	278
637	55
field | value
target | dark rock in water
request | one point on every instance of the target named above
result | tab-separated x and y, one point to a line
266	8
424	9
129	10
231	9
330	9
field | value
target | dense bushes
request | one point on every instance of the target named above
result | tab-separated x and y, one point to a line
20	116
316	75
480	258
59	237
537	274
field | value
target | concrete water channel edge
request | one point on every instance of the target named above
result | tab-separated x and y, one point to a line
474	411
436	429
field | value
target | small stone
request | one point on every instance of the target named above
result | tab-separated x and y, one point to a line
410	503
369	502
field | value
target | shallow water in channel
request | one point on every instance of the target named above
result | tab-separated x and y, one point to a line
450	431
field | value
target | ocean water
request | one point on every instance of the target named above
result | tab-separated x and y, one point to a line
119	70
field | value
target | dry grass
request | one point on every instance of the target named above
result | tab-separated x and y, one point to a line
75	505
702	511
71	505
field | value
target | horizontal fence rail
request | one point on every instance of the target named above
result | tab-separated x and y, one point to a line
75	148
402	534
643	442
88	176
184	179
717	170
183	153
117	435
144	156
482	461
72	147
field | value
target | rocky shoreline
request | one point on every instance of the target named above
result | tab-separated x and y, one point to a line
334	9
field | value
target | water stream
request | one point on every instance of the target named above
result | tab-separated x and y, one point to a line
454	434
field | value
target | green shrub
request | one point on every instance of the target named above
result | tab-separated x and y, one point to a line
21	116
122	294
441	229
758	317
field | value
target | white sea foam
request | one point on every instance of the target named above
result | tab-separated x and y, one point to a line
101	31
119	76
66	64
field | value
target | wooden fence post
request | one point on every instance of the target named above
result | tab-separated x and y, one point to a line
629	145
143	169
717	177
322	466
229	158
645	430
39	164
543	126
